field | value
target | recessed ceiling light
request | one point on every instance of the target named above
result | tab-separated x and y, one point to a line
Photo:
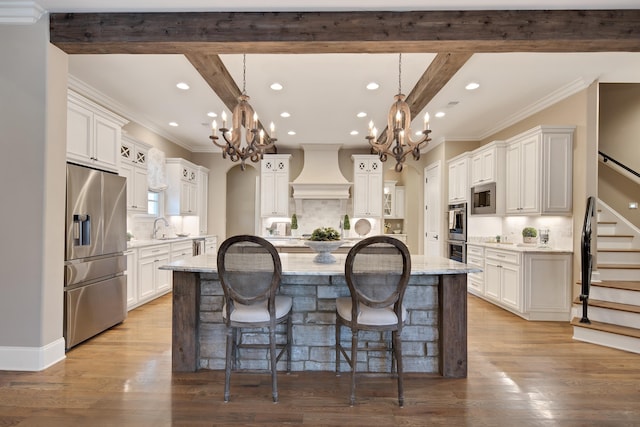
212	114
440	114
291	132
354	132
373	86
472	86
183	86
285	114
362	114
276	86
174	124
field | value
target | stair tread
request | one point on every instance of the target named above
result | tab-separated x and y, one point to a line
607	327
626	236
630	285
618	249
607	222
621	266
610	305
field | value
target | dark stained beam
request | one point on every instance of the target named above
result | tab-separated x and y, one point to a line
217	76
443	67
344	32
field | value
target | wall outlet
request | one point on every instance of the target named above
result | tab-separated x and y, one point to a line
633	205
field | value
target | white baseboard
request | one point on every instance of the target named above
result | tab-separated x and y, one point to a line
31	358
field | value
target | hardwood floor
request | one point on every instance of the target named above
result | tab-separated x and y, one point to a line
520	373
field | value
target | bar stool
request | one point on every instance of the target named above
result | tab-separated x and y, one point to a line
377	272
249	268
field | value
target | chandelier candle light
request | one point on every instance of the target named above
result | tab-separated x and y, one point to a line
245	126
398	142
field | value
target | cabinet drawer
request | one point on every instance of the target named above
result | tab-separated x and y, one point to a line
477	251
504	256
475	261
152	251
182	246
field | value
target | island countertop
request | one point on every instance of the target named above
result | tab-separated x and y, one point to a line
294	264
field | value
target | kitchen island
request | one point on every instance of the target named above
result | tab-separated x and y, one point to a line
434	337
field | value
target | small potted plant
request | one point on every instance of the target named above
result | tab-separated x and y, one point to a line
294	224
529	235
346	225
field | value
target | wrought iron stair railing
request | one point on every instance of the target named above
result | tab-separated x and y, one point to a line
586	258
607	158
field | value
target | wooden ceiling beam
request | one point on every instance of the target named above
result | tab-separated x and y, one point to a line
443	67
213	71
345	32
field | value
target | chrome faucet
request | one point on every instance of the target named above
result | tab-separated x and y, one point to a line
155	226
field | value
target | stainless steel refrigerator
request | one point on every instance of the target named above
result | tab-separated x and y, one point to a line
95	287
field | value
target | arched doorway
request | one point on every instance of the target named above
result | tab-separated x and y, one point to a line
241	200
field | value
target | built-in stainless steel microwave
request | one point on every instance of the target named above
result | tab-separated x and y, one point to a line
483	199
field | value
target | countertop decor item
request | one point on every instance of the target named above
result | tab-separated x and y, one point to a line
324	240
529	235
362	227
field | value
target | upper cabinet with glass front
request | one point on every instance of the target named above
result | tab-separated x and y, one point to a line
393	200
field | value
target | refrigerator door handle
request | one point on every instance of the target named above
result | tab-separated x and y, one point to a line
81	229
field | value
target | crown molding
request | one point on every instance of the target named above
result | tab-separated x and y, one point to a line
90	92
549	100
20	12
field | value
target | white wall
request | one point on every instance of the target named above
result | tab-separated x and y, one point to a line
33	118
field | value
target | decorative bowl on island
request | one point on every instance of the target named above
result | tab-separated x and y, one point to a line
323	241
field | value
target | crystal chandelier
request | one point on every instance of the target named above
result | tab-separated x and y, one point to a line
244	127
398	142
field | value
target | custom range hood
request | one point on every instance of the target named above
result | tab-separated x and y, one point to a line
320	178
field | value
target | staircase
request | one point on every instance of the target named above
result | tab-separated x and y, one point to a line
614	301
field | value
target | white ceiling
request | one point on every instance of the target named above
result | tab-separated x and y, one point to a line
324	92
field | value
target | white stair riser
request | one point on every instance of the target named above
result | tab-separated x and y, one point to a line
614	317
621	342
621	296
606	229
605	257
614	242
630	274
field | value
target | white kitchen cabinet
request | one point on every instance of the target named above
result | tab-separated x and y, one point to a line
181	250
367	186
203	199
133	166
459	179
393	200
487	163
502	278
274	187
475	258
93	134
182	190
153	282
132	277
211	245
539	165
547	286
533	285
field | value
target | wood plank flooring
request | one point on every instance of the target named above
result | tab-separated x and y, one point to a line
520	373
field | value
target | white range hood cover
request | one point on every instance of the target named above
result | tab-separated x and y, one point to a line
320	178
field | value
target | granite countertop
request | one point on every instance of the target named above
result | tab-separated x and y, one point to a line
303	265
140	243
520	247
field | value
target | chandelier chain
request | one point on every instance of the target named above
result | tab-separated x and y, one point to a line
400	73
244	74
